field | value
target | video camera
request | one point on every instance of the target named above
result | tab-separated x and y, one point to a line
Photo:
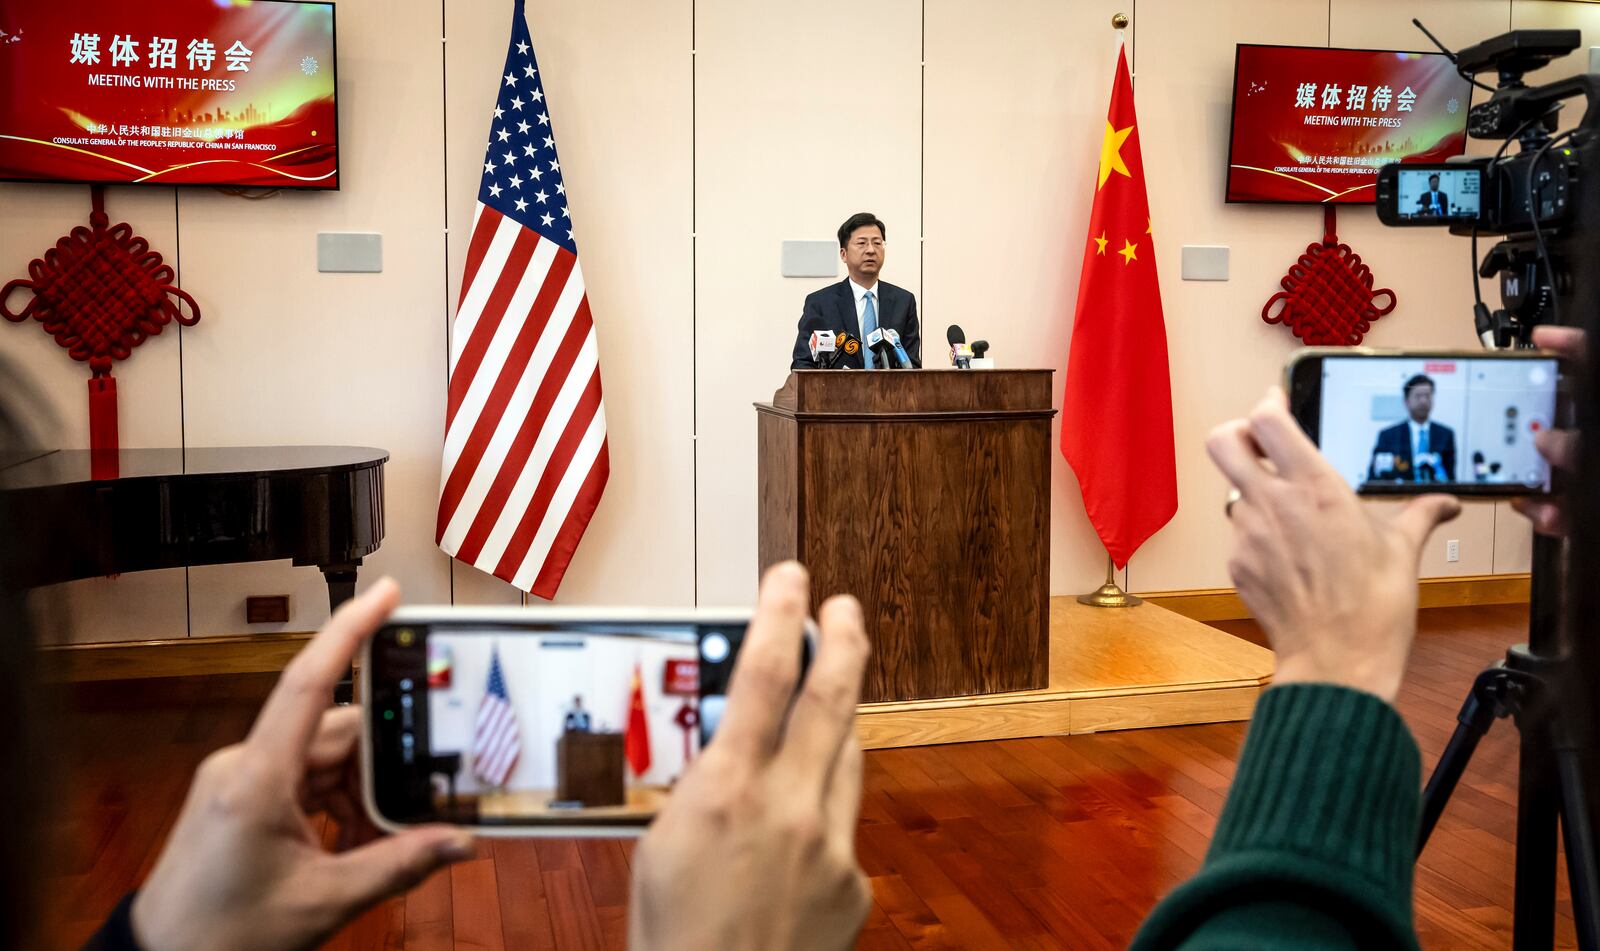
1545	199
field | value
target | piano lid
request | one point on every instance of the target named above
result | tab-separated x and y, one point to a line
68	466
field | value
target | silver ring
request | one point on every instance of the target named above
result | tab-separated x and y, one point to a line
1234	495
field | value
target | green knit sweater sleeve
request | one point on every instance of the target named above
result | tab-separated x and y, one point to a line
1316	843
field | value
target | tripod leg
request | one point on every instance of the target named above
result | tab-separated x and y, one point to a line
1476	716
1538	802
1578	839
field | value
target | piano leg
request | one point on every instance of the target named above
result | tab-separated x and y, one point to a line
341	588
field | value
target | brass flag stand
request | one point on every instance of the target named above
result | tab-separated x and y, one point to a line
1109	595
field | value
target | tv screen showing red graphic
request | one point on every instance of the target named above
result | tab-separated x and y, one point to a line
180	92
1315	125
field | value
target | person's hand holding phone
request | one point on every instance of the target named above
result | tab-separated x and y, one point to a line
756	847
243	868
1333	584
1559	447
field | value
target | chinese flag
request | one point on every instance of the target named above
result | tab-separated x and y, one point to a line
636	740
1116	413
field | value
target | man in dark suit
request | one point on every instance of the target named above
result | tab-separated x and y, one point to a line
577	718
860	302
1434	202
1416	450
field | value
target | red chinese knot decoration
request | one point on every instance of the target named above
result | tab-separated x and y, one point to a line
1327	297
101	292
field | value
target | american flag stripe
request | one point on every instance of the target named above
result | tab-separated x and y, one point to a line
499	750
545	462
477	248
505	306
584	474
507	407
486	273
496	741
525	457
482	494
506	396
527	281
536	489
583	506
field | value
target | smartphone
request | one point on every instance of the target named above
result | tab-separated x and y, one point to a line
1410	422
540	721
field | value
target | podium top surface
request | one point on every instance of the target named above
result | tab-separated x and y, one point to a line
833	394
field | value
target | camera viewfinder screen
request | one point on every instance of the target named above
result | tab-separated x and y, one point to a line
1446	422
1452	195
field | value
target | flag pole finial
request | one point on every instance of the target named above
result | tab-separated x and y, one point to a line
1119	21
1109	595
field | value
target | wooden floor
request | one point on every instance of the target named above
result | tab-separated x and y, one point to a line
1109	670
1061	842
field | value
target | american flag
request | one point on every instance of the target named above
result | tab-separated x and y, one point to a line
496	741
525	456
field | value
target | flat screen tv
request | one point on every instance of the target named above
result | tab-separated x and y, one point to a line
1314	125
177	92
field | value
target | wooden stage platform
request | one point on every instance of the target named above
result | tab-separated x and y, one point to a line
1110	669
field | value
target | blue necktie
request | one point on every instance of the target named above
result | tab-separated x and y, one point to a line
869	323
1422	450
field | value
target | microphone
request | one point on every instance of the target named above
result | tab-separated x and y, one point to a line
823	345
960	353
880	347
844	345
893	336
1480	467
979	348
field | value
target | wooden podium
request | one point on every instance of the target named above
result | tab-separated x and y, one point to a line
589	768
926	494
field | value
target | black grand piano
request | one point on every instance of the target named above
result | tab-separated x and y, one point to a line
83	513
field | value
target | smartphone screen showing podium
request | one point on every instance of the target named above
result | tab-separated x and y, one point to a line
532	725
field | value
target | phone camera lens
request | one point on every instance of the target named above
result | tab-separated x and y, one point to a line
715	648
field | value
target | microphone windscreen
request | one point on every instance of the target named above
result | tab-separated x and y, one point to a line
955	335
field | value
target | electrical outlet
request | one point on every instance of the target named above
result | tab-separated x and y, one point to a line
1452	550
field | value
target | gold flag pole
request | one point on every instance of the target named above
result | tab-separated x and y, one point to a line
1109	595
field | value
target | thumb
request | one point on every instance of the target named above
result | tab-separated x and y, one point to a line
395	864
1419	518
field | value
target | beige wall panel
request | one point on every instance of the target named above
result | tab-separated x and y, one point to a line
1513	541
148	398
1016	101
1223	356
295	356
798	125
1366	24
618	80
142	605
1474	529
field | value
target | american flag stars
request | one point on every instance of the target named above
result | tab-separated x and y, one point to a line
518	159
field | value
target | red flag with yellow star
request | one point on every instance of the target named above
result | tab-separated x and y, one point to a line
1116	414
